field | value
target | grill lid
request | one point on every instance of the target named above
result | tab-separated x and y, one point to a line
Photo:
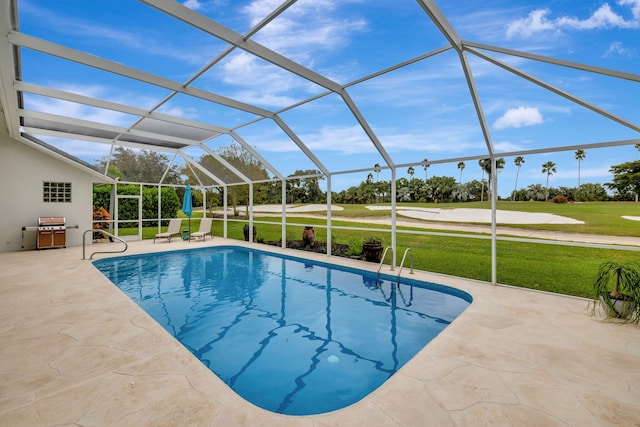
50	220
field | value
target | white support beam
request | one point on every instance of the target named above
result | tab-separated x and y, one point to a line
103	177
105	141
168	168
442	23
8	67
257	155
329	212
283	229
394	228
596	145
195	174
367	129
113	106
226	164
291	134
557	91
494	221
105	127
34	43
560	62
471	84
202	169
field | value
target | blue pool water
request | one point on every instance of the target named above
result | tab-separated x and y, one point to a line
289	335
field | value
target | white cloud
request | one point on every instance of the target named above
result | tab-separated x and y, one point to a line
602	18
618	49
125	37
259	82
507	146
305	33
305	30
204	5
87	151
346	140
539	20
518	117
635	7
79	111
193	4
534	23
191	113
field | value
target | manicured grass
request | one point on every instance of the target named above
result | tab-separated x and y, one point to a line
553	268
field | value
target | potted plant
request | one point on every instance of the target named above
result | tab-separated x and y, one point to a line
309	236
101	219
623	302
372	248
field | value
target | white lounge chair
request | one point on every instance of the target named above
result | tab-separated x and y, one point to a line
172	230
205	228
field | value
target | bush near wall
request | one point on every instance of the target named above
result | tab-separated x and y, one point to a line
128	208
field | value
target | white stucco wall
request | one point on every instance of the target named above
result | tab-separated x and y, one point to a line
23	169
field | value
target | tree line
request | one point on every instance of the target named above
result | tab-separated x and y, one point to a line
303	186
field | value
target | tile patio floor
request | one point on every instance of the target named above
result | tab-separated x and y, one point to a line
75	351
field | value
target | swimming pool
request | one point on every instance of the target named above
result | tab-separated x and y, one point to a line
292	336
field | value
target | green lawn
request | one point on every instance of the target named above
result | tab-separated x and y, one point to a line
554	268
599	217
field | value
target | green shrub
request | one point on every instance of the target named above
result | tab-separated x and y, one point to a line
560	199
372	240
128	208
355	247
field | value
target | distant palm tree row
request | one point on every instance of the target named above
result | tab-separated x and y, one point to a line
548	168
443	188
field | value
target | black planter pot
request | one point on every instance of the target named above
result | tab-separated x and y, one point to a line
372	252
246	233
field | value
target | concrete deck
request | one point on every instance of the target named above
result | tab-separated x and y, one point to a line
76	351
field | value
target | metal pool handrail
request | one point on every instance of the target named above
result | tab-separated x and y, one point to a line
410	252
388	248
101	252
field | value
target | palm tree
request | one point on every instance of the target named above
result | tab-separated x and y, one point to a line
549	168
518	162
580	155
425	166
461	166
376	169
536	192
485	164
411	171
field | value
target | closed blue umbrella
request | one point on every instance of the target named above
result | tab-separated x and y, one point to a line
187	208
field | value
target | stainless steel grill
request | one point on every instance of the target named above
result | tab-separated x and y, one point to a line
52	232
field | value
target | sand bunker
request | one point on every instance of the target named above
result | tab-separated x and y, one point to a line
465	215
469	215
293	208
632	218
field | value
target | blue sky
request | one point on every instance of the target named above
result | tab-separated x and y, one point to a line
423	110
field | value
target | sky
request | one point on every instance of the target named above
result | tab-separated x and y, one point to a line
421	111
